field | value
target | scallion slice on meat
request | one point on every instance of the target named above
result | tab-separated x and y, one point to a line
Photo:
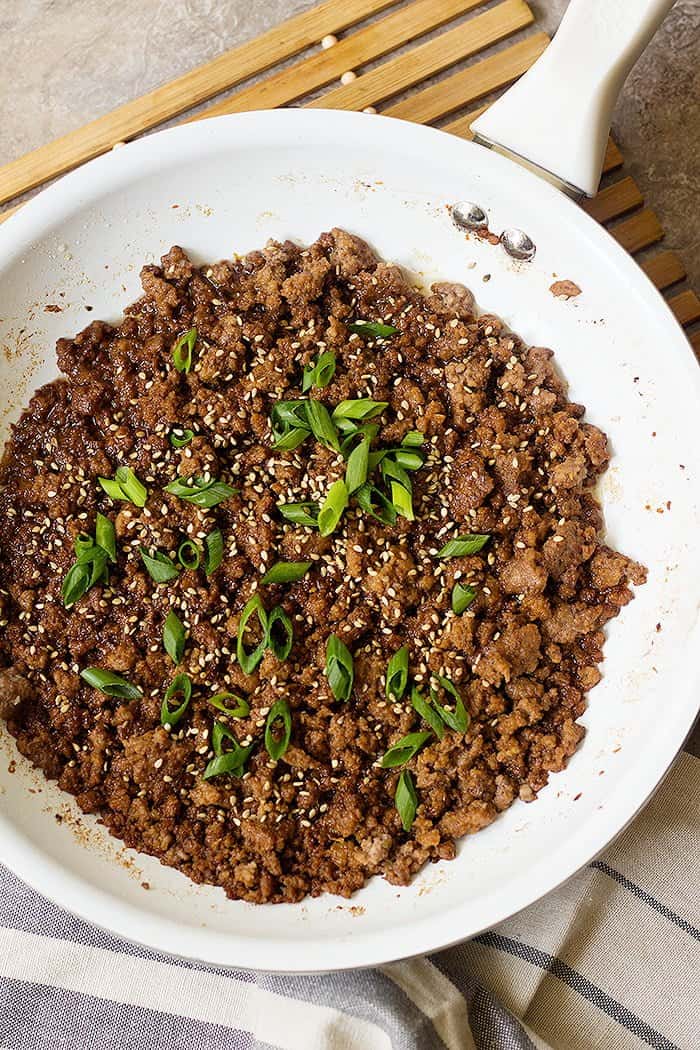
462	597
357	467
356	408
174	636
280	633
202	492
406	800
339	668
105	536
231	761
179	437
300	513
404	749
332	508
182	350
181	686
213	551
250	658
427	712
189	555
241	708
125	486
375	329
397	674
463	545
458	719
159	566
322	426
373	502
278	729
320	373
286	572
110	684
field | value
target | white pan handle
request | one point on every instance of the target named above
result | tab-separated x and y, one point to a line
557	116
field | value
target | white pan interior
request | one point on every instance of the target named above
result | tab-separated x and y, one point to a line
224	186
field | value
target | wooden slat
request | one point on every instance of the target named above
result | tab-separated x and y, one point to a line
443	98
615	200
639	231
613	158
423	61
686	307
356	50
220	74
664	269
462	126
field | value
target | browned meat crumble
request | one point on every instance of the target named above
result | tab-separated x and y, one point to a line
508	456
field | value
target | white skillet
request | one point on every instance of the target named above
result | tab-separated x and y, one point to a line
237	181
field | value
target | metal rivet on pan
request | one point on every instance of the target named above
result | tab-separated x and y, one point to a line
518	244
469	216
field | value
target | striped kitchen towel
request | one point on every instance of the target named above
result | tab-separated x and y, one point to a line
608	961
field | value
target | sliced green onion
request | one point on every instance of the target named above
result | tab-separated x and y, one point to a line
280	633
110	684
320	373
397	674
76	583
373	501
458	719
356	470
199	491
180	437
406	800
125	486
275	743
462	597
408	460
391	471
286	572
462	545
300	513
90	564
105	536
291	440
232	761
340	669
372	328
174	636
413	439
180	685
368	431
189	555
427	713
358	408
332	508
213	551
402	500
241	710
322	426
249	660
404	749
289	423
182	350
160	567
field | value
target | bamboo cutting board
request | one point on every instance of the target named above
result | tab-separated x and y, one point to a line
381	55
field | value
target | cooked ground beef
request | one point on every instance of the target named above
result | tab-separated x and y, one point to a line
507	455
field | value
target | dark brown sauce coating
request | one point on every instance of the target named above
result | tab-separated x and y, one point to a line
509	456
